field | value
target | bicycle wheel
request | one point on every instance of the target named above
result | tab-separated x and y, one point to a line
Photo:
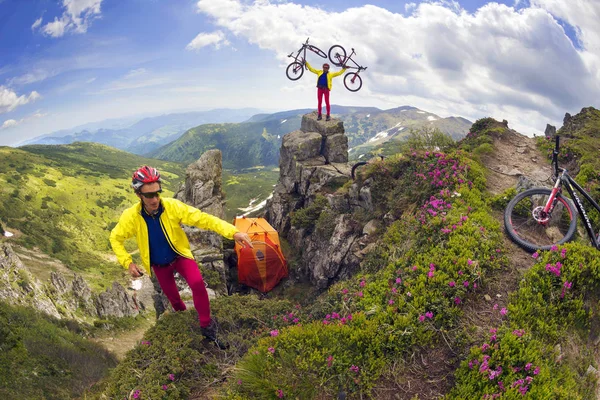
294	71
337	55
532	229
358	164
317	50
352	81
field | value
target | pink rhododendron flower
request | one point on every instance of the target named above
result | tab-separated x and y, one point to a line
362	283
398	280
274	332
171	377
280	393
503	311
354	368
271	350
429	314
329	361
421	318
359	294
344	291
451	283
391	302
535	255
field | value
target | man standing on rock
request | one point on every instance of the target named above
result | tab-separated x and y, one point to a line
324	78
164	247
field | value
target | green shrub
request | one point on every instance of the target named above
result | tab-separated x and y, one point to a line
307	217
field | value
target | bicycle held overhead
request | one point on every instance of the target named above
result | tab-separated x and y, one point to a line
540	218
295	69
352	80
338	57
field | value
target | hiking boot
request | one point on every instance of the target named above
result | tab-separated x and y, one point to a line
211	331
328	118
319	117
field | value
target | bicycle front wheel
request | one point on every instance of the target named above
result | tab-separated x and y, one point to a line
294	71
352	81
337	55
317	50
530	227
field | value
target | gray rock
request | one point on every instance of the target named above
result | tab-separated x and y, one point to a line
326	128
300	146
336	148
116	302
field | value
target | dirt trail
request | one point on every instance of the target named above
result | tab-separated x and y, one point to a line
515	155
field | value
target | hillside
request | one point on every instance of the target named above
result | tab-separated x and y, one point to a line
443	304
63	200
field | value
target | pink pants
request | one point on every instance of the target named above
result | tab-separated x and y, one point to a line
320	94
191	273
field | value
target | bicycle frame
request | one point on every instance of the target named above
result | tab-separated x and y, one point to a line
302	50
563	178
344	61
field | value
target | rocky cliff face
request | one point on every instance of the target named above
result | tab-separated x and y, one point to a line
314	160
59	297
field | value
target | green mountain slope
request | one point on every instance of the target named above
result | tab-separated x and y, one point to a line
243	145
65	199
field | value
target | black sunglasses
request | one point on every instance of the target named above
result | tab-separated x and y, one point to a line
151	195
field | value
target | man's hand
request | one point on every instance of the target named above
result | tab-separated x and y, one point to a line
242	239
135	271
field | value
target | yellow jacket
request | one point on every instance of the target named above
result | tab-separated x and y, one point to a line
174	213
330	75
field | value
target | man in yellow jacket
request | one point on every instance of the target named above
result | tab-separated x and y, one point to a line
324	78
164	247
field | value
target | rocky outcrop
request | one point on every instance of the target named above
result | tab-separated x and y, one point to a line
314	161
203	189
582	124
116	302
19	286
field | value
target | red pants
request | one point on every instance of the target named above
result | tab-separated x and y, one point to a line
191	273
320	93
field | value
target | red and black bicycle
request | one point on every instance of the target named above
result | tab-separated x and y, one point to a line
295	70
352	80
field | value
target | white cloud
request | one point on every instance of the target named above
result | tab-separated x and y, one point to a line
11	123
517	65
36	24
216	38
77	18
9	100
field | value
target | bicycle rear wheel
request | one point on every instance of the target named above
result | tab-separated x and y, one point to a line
355	166
294	71
317	50
532	229
337	55
352	81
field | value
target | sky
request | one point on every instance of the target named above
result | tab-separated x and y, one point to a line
65	63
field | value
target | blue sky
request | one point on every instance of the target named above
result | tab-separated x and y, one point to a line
69	62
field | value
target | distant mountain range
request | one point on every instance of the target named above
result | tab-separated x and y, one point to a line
141	136
247	137
257	141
